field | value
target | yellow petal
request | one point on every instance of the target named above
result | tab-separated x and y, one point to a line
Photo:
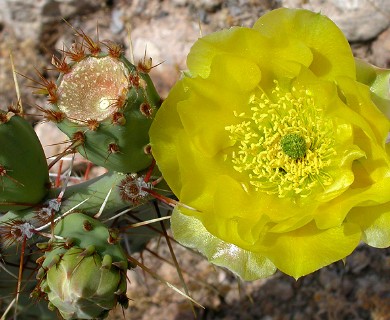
375	223
359	100
166	127
333	213
190	232
379	81
205	114
332	55
251	45
308	249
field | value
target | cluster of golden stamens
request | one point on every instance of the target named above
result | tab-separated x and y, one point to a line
283	143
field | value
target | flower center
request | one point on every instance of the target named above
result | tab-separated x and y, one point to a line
283	144
293	145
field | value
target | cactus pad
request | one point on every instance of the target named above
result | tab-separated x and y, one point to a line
24	177
108	100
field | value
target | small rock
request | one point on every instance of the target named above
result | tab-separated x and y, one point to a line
209	5
179	3
29	18
357	261
381	50
329	279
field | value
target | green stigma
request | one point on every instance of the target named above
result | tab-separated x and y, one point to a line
293	145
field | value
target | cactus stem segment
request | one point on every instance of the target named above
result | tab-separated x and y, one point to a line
4	174
85	280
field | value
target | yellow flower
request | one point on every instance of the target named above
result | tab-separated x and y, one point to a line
277	147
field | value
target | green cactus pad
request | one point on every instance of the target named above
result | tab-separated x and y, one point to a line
113	104
84	276
74	226
24	176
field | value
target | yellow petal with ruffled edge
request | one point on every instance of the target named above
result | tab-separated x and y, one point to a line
308	249
378	80
375	223
248	44
359	100
190	232
166	127
199	118
332	55
371	173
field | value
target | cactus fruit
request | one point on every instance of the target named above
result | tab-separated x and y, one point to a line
84	273
24	178
104	104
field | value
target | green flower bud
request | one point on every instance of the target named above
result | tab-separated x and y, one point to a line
89	279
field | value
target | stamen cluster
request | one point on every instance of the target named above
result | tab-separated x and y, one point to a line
283	144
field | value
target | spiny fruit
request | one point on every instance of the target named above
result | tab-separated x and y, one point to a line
24	176
104	104
83	272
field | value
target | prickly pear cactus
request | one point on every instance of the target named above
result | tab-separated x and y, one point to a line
83	272
104	104
24	178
